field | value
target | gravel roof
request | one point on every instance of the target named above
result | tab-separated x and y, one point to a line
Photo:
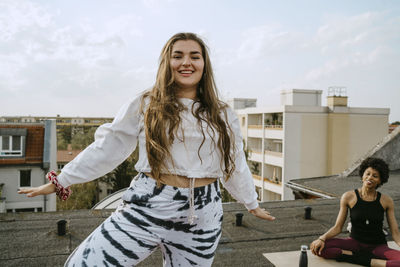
30	239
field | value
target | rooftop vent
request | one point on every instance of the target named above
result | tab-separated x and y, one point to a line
61	227
307	213
239	217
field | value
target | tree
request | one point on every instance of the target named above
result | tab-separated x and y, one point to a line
78	137
66	133
255	168
81	139
61	143
83	196
121	176
226	197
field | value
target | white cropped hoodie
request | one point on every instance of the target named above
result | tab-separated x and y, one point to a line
115	141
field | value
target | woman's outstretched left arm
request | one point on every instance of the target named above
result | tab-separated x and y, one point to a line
240	185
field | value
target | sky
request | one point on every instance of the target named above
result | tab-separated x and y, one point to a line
87	58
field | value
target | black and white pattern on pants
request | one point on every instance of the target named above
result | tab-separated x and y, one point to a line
156	218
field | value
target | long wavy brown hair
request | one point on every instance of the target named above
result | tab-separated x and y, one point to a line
162	115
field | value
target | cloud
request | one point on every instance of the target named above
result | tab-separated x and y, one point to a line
20	16
37	52
346	30
157	6
43	59
266	41
358	51
357	42
52	54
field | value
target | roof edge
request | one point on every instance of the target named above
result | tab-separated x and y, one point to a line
386	140
309	191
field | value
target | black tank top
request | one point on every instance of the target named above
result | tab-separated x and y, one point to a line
367	221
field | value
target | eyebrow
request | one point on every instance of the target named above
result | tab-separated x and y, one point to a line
180	52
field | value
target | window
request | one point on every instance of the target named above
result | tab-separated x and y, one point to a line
25	178
25	210
12	142
11	145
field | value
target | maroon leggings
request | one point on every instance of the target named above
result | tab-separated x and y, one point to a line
334	246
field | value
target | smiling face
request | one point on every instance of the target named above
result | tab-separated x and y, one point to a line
187	65
371	178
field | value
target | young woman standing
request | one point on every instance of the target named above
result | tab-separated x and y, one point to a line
187	139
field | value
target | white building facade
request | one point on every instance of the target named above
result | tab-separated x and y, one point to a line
300	138
27	152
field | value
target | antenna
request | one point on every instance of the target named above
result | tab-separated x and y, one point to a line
337	91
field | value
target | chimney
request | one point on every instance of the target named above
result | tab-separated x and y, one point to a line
337	96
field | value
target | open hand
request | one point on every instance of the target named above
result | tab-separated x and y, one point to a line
40	190
262	214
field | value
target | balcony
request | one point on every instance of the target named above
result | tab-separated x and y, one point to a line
268	180
273	153
270	157
255	131
273	158
270	184
274	127
274	132
255	155
270	131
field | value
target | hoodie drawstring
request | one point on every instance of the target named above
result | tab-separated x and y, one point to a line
192	216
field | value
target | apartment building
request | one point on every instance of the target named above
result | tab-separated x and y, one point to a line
302	138
27	153
60	121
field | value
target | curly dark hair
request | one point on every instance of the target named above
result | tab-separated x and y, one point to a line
377	164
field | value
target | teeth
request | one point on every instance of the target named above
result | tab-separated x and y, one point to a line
186	72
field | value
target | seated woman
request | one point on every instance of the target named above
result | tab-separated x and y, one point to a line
367	243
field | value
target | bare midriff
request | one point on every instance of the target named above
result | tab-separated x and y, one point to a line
182	181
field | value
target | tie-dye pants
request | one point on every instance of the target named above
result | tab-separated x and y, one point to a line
153	218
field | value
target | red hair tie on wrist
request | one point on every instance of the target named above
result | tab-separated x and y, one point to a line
61	192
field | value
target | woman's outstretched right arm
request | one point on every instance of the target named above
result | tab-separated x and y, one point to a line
40	190
114	142
318	245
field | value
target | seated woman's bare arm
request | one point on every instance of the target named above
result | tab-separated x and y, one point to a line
391	219
318	245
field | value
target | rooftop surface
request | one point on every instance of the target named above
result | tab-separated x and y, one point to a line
30	239
67	155
336	185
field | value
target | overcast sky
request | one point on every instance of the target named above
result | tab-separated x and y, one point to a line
86	58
